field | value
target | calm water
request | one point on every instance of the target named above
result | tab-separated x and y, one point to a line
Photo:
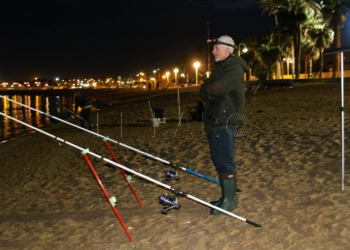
10	129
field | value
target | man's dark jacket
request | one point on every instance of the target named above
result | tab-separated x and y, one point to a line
224	94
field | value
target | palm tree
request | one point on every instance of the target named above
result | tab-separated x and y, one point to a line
311	53
285	41
322	36
336	11
268	53
292	14
257	67
286	57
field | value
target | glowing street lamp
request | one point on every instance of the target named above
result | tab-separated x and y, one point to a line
196	65
155	76
175	71
245	49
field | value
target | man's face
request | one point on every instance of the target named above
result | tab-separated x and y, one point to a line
220	52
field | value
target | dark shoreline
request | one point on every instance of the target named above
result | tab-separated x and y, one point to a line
51	91
141	90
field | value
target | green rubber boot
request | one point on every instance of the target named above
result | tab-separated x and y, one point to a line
215	203
228	200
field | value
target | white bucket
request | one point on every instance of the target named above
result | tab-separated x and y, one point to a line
155	122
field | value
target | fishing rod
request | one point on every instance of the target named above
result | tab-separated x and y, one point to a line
122	144
252	97
174	190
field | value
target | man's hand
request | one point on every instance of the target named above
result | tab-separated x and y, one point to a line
213	88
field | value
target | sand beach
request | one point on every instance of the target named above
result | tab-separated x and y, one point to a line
288	165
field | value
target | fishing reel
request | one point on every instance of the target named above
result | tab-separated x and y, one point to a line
171	175
168	202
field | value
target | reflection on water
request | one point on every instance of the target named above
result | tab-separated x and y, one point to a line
49	104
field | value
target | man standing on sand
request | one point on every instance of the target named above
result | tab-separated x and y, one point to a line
83	103
223	93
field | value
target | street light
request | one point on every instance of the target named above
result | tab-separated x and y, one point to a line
196	65
155	77
175	71
155	73
245	49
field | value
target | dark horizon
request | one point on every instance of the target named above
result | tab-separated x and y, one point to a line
67	39
70	39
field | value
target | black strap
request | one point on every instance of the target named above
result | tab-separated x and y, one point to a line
227	44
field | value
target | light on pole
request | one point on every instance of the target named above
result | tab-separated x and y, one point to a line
245	49
196	65
182	76
155	77
208	41
175	71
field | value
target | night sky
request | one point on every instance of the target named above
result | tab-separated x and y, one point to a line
108	38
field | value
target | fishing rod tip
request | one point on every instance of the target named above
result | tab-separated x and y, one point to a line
253	223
